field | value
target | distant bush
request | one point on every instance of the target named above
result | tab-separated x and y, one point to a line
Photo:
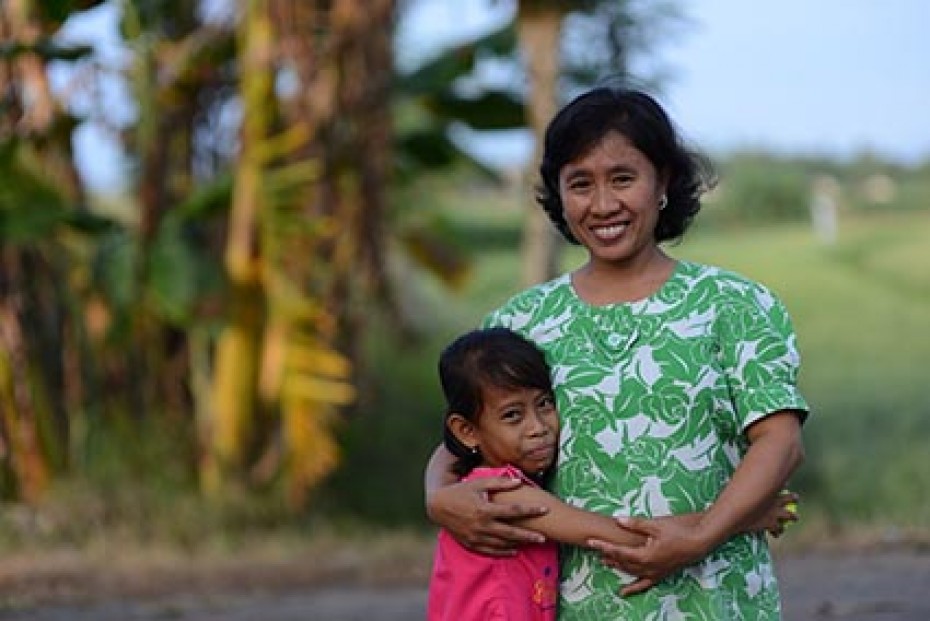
757	189
764	188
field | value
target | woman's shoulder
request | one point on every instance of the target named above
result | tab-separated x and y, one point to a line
528	302
726	282
542	290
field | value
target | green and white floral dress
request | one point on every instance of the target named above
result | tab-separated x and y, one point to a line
654	397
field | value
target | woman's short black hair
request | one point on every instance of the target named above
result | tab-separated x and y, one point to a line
584	122
486	357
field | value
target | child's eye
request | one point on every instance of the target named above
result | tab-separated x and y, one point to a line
511	415
546	402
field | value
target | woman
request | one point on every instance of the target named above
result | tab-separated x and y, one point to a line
676	383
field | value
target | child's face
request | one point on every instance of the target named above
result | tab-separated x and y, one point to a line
518	427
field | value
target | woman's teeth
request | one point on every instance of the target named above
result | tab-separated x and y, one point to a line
609	231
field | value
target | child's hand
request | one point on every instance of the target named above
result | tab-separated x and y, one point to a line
480	524
781	512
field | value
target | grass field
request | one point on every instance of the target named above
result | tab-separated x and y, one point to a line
861	308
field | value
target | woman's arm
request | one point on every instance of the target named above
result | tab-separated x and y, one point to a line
774	453
468	512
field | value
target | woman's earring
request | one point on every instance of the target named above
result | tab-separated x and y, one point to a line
473	450
663	202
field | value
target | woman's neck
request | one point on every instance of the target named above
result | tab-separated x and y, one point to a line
602	283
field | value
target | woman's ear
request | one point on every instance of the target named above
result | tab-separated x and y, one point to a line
664	177
463	429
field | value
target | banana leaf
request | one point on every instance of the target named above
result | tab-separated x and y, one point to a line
46	49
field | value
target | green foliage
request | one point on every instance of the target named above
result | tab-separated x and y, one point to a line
33	209
605	36
438	73
389	437
55	12
428	102
30	207
763	188
487	111
174	270
45	49
754	190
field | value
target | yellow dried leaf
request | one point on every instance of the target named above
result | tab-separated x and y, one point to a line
321	390
318	361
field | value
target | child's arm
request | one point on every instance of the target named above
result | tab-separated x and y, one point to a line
571	525
568	524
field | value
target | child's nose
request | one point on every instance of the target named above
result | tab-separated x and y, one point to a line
538	424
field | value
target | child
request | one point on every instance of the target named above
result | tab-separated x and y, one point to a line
501	419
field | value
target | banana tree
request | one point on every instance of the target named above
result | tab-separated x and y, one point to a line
42	332
279	377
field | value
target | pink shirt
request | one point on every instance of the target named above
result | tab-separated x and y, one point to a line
466	586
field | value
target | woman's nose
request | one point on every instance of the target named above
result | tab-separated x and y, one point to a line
604	201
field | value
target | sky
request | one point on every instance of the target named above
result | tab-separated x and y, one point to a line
825	77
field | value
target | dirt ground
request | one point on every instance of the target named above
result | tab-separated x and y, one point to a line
876	583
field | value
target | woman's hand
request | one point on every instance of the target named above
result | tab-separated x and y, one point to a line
467	510
670	545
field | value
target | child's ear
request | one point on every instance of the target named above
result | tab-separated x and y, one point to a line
463	429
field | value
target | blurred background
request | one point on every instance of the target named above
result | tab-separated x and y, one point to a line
235	235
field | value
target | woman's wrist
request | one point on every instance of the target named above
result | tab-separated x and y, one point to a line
434	505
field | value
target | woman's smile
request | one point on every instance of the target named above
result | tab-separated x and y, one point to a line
609	233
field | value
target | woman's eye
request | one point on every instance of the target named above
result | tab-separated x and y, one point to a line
622	180
546	402
579	185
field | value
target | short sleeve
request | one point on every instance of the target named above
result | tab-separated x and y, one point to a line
760	356
486	472
490	320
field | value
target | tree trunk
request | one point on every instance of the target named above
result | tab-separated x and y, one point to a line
539	32
24	470
40	344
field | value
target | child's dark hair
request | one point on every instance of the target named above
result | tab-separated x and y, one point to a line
492	356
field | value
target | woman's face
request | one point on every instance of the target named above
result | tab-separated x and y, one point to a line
610	196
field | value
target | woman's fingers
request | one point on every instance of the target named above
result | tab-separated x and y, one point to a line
669	547
503	540
640	585
492	546
624	558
